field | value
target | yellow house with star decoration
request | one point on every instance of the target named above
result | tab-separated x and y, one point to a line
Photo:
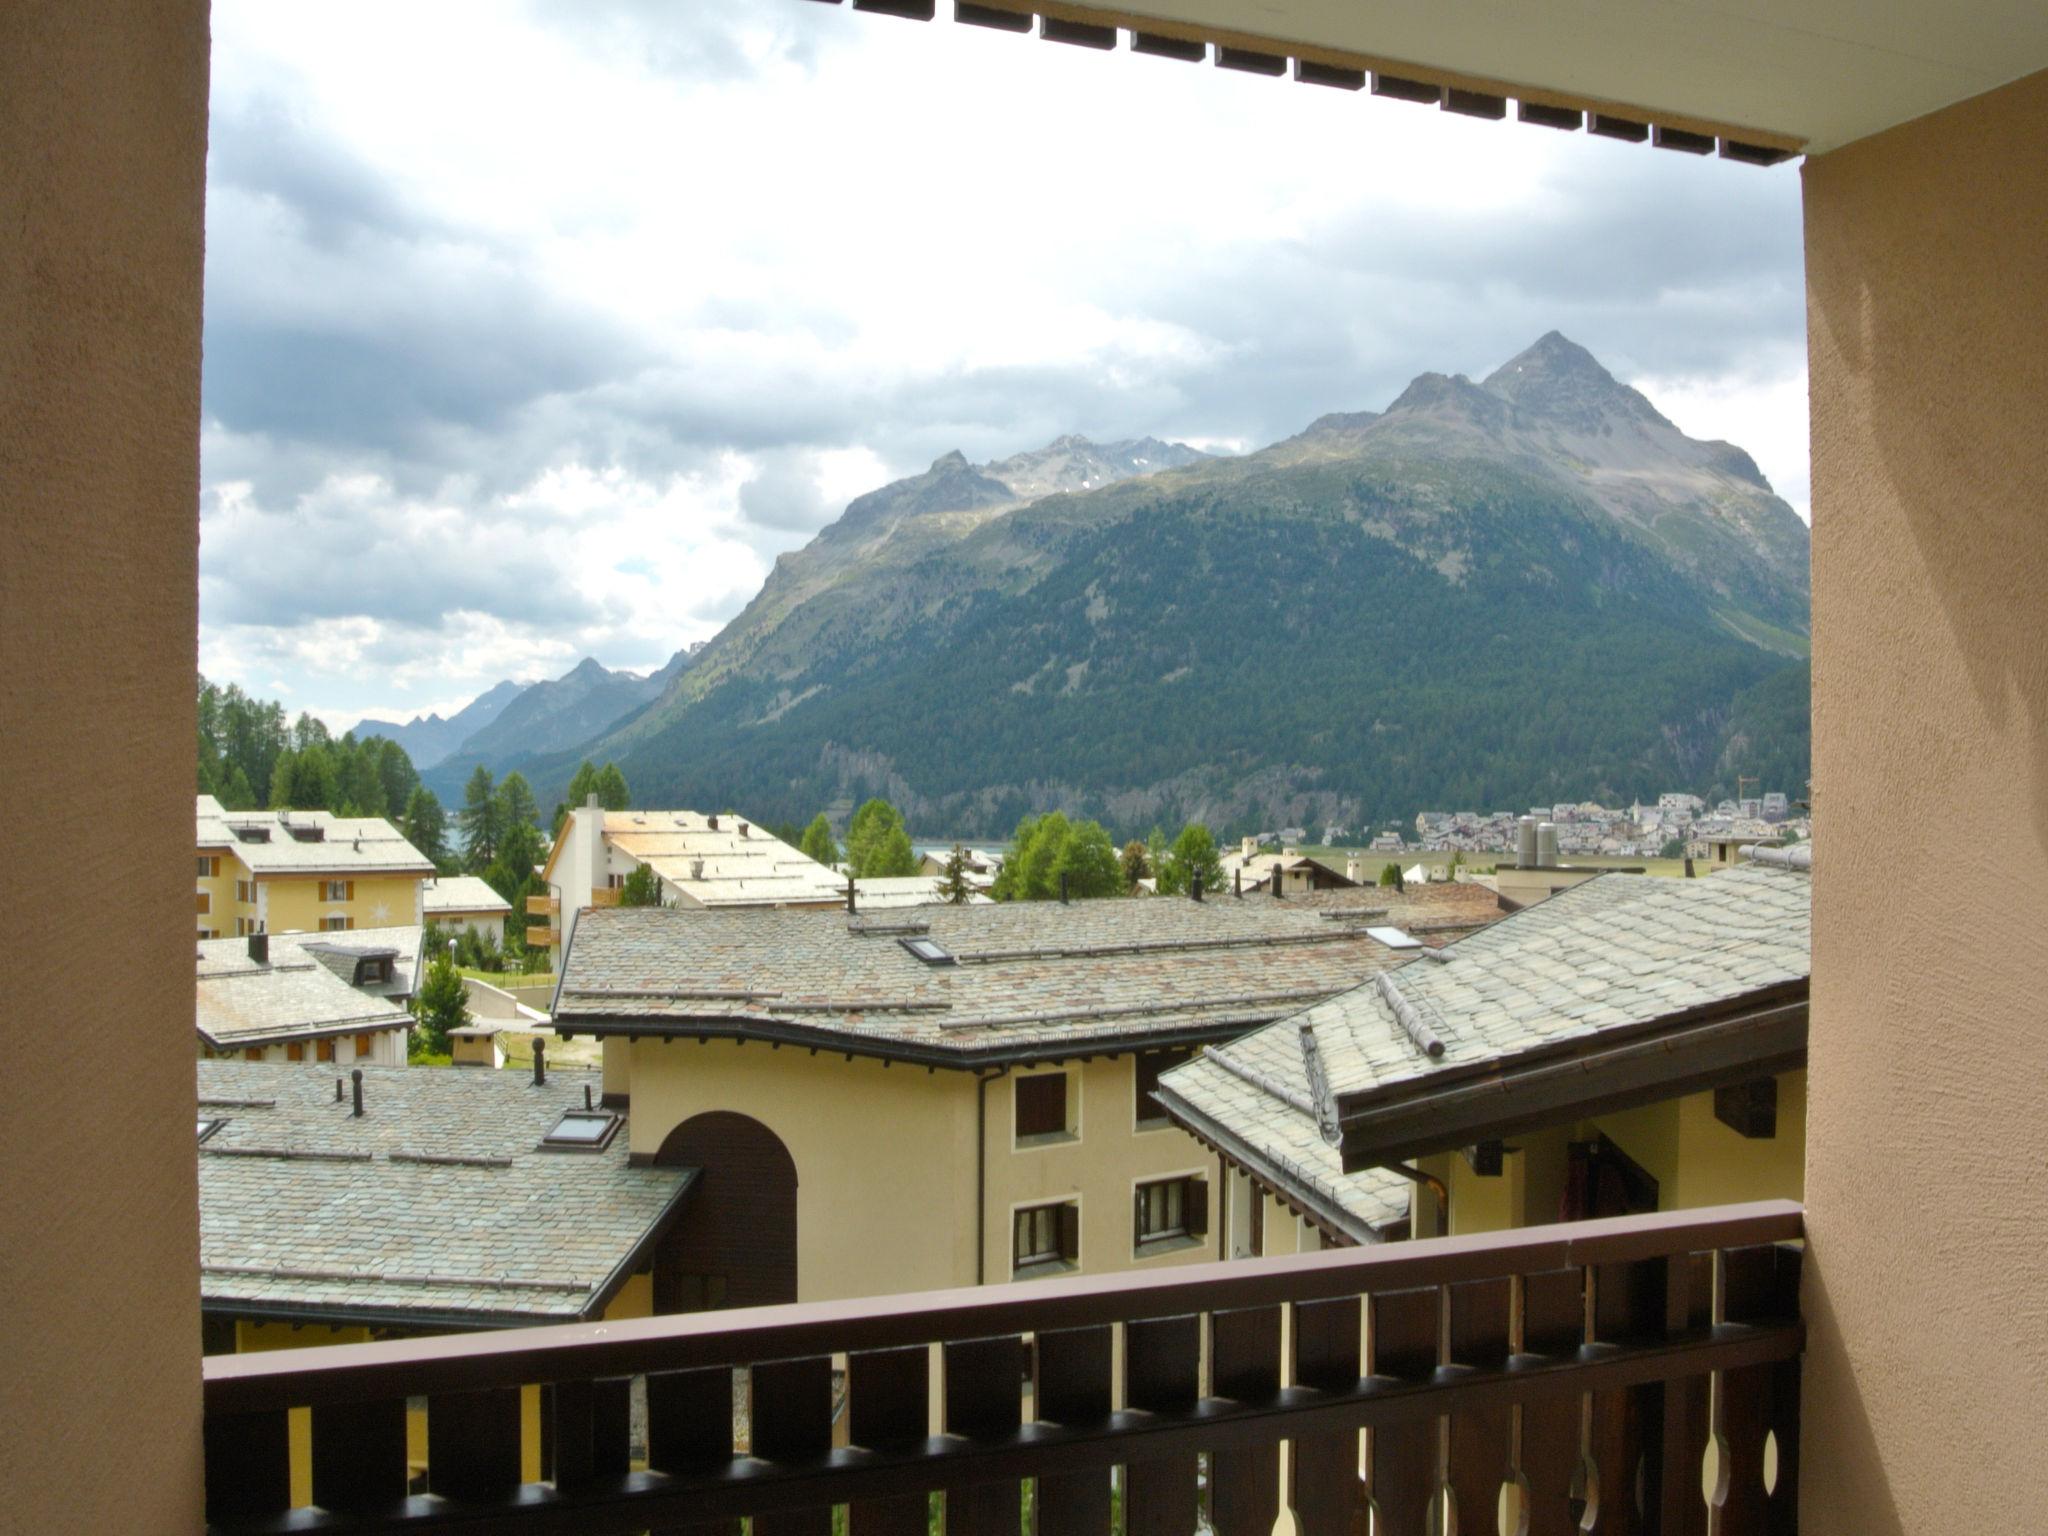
303	871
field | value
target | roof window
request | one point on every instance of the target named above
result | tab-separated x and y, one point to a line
252	834
1394	938
582	1130
930	951
308	834
208	1127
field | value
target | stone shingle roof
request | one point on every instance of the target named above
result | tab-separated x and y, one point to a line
354	1225
1032	978
443	894
733	864
1615	952
292	996
343	845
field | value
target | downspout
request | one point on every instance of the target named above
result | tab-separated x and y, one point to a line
981	1082
1435	1186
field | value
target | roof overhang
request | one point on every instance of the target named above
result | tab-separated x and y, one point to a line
776	1033
1758	1035
1797	75
1285	1184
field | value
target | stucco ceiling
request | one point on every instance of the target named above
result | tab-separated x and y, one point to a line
1817	73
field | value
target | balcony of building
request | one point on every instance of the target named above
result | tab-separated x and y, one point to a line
543	906
1631	1374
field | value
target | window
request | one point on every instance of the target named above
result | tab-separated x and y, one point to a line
1045	1237
309	834
581	1130
1149	1064
209	866
323	1050
930	951
253	1053
336	924
295	1051
245	891
375	969
208	1127
252	834
363	1046
1170	1209
337	890
205	901
1042	1108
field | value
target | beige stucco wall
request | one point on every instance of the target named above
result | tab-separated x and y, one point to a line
1927	297
884	1155
102	165
1101	1167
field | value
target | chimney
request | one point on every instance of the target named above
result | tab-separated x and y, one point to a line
1250	847
540	1062
743	829
1063	888
711	822
1279	882
1195	887
1546	844
259	948
586	1097
590	802
1525	842
1354	870
337	1090
1237	883
356	1077
850	902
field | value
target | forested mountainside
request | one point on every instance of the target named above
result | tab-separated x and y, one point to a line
1489	595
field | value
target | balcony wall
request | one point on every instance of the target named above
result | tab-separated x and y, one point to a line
1579	1374
102	168
1927	306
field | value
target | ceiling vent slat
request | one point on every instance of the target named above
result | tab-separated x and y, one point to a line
1400	88
1079	34
1308	72
1570	119
1617	128
1682	141
994	16
1251	62
1169	47
1475	104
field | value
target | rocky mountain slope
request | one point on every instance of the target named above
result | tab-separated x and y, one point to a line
1489	594
429	739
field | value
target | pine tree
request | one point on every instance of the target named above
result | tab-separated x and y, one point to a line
817	841
516	806
442	1005
877	846
642	888
612	792
425	824
953	886
479	820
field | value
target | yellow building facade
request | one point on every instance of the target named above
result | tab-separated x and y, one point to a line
302	871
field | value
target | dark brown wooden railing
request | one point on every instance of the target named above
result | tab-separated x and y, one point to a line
1605	1376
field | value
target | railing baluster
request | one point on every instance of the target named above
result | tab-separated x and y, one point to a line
1553	1326
690	1429
1761	1285
248	1466
473	1449
590	1429
1327	1493
1404	1347
888	1407
1074	1384
984	1401
1481	1454
1244	1365
1688	1305
792	1423
359	1455
1163	1375
1628	1304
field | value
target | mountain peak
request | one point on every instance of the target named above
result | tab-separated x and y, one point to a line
1557	377
948	461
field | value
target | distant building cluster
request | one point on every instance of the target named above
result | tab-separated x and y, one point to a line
1638	831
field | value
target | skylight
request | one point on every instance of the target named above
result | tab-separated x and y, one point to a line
208	1127
1394	938
930	951
582	1130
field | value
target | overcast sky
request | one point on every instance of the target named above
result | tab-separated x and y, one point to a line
536	332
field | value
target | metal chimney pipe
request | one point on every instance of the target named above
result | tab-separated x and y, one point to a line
259	948
337	1090
1279	882
1546	844
1525	842
850	907
1237	883
1063	888
356	1075
586	1096
1195	886
540	1062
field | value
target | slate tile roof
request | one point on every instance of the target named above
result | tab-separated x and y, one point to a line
344	845
353	1225
1032	979
733	864
443	894
296	995
1617	951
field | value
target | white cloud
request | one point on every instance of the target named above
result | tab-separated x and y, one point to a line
538	332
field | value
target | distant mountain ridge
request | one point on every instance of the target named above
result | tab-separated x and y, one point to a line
1489	594
428	739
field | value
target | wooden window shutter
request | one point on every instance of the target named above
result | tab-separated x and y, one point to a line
1194	1207
295	1051
362	1046
254	1053
349	890
1042	1104
1138	1215
1070	1233
323	1050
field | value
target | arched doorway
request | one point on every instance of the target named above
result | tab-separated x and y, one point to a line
736	1243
